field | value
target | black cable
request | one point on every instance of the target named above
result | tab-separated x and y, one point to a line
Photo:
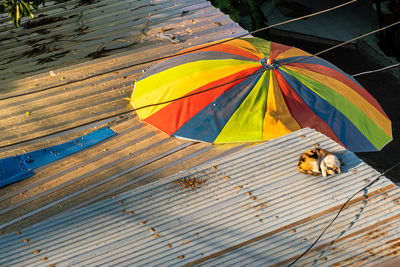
135	109
340	210
161	103
123	113
377	70
199	92
185	52
343	43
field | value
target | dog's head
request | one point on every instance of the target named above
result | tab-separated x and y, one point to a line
330	165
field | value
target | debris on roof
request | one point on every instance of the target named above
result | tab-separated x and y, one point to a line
216	224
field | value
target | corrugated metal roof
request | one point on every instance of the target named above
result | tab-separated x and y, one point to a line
71	94
65	33
253	209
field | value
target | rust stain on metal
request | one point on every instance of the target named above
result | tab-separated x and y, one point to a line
346	261
393	240
300	222
370	251
262	205
372	235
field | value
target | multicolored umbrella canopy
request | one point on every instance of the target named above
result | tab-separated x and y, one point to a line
249	89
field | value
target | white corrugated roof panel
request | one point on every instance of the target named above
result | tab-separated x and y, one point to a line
218	223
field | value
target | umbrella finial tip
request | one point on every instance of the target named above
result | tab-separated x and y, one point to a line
269	63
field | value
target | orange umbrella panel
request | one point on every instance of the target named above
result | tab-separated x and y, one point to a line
249	89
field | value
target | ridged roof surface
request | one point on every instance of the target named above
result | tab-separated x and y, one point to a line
250	208
69	72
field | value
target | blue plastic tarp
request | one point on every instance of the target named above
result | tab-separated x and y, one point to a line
20	167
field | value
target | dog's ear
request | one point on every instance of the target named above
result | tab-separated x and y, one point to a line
323	168
337	170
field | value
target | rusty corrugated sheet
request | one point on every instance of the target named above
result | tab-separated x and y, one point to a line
253	209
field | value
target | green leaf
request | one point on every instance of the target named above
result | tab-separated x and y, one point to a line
17	17
17	9
28	9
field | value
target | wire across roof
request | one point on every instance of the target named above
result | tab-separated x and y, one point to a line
249	208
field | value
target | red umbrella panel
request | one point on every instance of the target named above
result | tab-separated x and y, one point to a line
250	89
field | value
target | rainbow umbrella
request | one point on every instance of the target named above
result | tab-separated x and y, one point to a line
250	89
